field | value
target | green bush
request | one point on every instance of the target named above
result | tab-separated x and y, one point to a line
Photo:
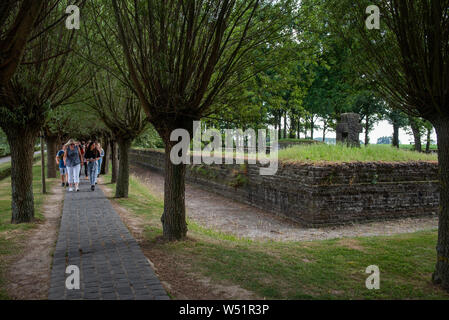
149	139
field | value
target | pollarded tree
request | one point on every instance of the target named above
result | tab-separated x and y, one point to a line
122	114
181	56
46	77
18	19
408	60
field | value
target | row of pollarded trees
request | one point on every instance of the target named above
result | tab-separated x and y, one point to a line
181	59
177	58
89	121
42	68
74	121
38	73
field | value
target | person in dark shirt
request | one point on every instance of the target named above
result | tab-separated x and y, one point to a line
92	155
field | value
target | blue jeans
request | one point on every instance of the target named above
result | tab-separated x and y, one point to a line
92	172
99	165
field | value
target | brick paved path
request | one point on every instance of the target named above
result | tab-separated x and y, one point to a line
111	263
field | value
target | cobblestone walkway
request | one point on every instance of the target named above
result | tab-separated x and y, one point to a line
111	263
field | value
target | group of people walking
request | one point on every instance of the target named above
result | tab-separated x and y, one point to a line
73	156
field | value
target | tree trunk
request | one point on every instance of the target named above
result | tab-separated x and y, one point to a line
299	128
174	217
312	126
429	132
324	132
105	162
285	125
122	187
21	142
292	128
280	125
51	156
114	160
395	135
44	187
416	134
366	131
441	274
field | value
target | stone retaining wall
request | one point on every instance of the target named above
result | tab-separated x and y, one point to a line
320	194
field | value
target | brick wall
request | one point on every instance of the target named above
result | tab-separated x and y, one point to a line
323	193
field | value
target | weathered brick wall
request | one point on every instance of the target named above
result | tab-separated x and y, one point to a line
323	193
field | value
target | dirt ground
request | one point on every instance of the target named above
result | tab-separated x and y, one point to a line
213	211
174	274
28	278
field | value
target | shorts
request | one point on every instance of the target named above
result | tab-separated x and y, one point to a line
63	171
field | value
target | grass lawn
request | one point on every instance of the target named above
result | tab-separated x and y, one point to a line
13	236
310	141
331	269
341	153
5	165
411	146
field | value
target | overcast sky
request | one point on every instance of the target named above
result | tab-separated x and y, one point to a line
381	129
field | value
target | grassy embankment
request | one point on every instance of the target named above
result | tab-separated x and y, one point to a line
13	237
331	269
340	153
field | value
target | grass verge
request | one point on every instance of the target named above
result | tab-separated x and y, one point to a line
13	237
5	168
330	269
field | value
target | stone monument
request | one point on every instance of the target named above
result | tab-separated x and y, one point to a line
349	129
